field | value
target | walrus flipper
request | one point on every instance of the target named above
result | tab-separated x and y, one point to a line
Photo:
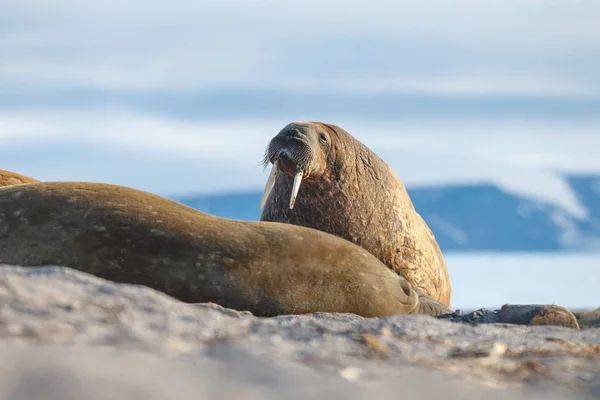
429	306
414	300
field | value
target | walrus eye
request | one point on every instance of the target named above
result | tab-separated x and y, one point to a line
323	137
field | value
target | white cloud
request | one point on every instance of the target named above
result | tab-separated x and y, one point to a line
465	46
455	86
166	156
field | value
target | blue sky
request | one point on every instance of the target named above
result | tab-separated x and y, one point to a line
182	96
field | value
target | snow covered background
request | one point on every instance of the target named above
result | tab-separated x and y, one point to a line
181	97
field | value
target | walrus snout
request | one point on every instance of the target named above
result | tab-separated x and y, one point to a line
286	163
284	156
291	167
293	151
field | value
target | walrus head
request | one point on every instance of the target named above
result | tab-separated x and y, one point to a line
301	151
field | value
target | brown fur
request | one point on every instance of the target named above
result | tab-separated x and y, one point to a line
352	193
9	178
130	236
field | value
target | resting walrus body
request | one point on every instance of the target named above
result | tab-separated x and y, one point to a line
130	236
324	178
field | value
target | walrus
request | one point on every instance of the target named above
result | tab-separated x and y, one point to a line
130	236
324	178
9	178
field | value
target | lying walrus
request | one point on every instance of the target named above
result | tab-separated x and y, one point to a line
268	268
323	178
130	236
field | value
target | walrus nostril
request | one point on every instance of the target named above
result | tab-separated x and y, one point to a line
283	155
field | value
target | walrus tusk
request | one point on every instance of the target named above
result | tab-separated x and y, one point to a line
296	187
269	186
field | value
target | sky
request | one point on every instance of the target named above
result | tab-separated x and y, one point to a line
181	96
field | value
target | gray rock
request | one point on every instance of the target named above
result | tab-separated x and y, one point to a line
520	314
68	335
588	318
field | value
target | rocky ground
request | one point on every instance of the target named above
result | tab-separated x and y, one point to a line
69	335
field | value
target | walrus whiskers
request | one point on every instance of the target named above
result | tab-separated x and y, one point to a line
269	185
296	187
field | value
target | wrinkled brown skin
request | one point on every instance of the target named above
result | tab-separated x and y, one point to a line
352	193
130	236
9	178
